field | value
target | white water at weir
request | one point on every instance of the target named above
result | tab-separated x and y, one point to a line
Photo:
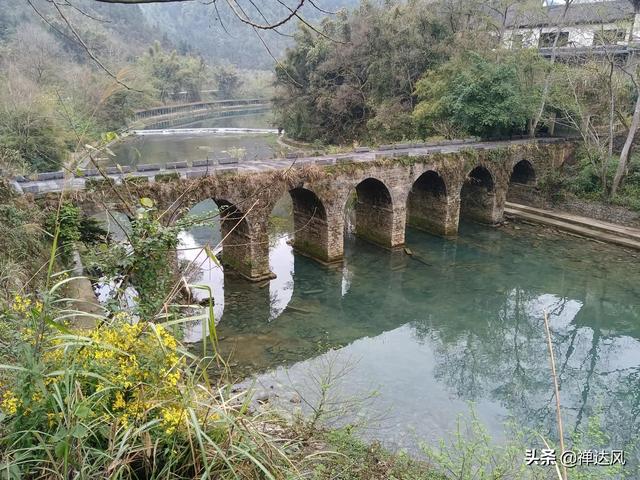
204	131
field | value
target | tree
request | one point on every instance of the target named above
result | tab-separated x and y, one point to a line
359	77
547	80
474	95
635	120
172	73
228	81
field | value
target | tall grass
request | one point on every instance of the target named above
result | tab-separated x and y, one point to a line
123	401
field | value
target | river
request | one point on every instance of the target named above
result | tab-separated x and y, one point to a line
459	321
164	148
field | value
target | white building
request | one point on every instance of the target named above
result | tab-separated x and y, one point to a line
605	25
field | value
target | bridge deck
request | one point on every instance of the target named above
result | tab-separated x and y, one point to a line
72	182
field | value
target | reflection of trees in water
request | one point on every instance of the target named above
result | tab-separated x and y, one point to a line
502	355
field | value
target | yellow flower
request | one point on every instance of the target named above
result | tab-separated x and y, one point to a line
10	402
119	403
38	306
172	417
51	419
173	378
20	304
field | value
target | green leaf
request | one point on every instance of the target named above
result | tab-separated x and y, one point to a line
79	431
61	449
83	412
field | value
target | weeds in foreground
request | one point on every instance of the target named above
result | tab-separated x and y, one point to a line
122	401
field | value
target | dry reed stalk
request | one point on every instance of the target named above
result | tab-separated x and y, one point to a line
557	392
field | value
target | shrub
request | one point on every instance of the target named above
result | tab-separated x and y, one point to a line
121	401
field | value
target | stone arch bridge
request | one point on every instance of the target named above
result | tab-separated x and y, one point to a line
426	188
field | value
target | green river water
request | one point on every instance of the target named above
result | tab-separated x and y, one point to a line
459	321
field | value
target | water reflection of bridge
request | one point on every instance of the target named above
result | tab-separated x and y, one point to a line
447	287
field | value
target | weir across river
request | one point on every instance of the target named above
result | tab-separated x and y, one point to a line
427	186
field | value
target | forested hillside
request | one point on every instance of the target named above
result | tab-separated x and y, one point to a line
219	35
74	71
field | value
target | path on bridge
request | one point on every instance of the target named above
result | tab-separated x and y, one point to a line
56	181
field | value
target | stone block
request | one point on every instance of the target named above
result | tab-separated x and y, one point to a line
148	167
361	149
325	161
402	146
20	179
196	174
385	147
177	165
227	161
201	163
291	155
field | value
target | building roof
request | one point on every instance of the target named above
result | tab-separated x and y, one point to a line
611	11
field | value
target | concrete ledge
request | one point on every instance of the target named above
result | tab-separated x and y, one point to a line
117	170
325	161
385	147
588	228
201	163
227	161
148	167
361	149
291	155
402	146
31	189
177	165
88	172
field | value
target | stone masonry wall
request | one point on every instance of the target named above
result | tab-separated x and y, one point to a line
246	248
